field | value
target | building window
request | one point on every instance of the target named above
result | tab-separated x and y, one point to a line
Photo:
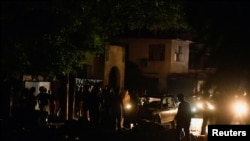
156	52
178	55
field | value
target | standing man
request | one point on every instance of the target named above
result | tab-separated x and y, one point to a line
183	118
43	99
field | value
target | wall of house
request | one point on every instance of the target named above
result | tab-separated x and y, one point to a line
181	65
100	68
138	53
114	57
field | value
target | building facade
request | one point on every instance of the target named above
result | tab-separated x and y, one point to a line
110	68
157	59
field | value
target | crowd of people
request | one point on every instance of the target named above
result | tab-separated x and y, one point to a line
102	107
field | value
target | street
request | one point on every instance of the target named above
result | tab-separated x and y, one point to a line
75	131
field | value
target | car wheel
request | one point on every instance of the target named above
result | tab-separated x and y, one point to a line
157	119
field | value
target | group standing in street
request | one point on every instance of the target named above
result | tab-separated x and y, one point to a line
102	107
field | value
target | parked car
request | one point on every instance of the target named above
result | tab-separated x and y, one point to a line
159	109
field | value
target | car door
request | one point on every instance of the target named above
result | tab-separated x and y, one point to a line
169	110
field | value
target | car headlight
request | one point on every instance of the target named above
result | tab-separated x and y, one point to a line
194	109
199	105
128	106
240	108
210	106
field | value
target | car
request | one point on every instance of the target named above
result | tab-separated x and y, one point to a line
160	109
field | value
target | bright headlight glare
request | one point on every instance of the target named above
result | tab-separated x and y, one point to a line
240	108
199	105
193	109
210	106
128	106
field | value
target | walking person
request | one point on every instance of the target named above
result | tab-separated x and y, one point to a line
183	119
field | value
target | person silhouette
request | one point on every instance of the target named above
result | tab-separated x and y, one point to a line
116	110
43	98
183	118
94	107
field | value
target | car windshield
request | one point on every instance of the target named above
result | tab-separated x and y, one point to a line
154	104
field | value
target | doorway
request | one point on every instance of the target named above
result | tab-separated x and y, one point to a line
114	78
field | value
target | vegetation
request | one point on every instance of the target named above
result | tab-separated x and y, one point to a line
50	38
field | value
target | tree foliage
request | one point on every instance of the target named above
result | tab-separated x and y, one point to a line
53	37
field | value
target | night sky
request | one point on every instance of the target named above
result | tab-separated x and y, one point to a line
227	26
226	17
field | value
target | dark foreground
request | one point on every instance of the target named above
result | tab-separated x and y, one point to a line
78	131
